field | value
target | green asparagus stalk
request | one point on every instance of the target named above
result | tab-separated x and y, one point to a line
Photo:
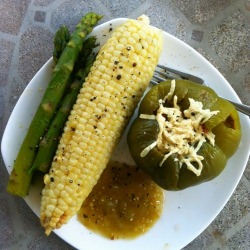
60	41
49	143
19	180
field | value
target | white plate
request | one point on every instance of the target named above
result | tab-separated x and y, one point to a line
186	213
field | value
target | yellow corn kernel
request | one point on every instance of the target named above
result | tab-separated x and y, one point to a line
115	84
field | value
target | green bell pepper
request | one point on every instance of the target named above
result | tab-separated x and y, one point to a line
225	125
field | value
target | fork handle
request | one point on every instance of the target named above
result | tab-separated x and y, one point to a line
240	107
162	76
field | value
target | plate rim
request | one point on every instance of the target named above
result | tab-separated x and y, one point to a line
50	62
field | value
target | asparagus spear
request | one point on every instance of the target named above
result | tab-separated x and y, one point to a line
48	144
61	39
19	180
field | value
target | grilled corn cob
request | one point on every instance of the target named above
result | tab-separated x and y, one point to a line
115	84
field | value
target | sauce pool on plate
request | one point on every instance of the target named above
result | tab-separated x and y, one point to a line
125	203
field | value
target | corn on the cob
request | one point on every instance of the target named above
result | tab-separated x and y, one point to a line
116	82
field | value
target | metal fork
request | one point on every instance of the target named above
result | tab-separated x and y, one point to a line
162	73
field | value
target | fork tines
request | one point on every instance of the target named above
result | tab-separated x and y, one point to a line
162	73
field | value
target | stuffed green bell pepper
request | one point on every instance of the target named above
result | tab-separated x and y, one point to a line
184	134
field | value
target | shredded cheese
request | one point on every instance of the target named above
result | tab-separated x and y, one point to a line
149	117
181	132
146	150
171	91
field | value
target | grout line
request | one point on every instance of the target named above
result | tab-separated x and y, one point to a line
14	63
8	37
46	23
236	228
189	26
210	26
49	9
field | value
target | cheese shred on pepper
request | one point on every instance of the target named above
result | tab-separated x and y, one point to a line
181	133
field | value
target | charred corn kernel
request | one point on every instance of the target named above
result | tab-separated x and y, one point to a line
115	84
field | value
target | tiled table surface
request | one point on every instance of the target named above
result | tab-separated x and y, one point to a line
219	30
